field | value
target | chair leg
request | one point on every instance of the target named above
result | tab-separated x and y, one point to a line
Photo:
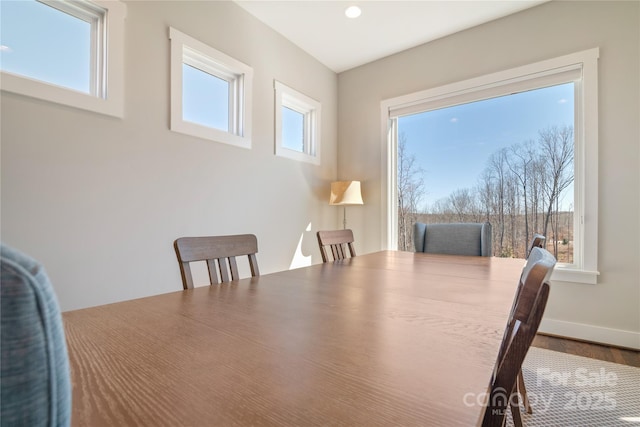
515	414
514	406
523	392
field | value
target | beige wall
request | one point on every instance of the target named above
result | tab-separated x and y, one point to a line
610	310
100	200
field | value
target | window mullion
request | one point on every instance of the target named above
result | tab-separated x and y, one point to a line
233	108
307	133
97	59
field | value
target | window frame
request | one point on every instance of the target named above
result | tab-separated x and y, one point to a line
286	97
106	94
532	76
187	50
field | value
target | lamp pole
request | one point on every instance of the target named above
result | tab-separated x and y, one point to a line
344	220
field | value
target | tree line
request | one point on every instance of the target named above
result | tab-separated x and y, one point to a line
520	192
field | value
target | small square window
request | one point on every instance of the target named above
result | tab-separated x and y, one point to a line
210	92
297	127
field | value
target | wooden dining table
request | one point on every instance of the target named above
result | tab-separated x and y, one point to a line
384	339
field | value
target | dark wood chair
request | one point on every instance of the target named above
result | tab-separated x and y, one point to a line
526	313
338	241
536	242
220	250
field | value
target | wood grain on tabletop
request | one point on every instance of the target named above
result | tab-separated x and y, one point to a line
377	340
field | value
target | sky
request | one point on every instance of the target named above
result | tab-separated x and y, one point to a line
43	43
452	145
292	129
204	98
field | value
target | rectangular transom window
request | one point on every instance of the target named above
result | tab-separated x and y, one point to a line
297	125
210	92
68	52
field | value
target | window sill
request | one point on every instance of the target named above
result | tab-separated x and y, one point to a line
211	134
574	275
113	106
297	155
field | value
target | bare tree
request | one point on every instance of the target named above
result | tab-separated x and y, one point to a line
519	159
556	147
461	200
498	172
485	193
537	178
410	193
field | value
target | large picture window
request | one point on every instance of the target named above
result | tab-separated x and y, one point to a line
516	148
506	160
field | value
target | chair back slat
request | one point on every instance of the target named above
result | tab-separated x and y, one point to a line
234	268
338	241
185	273
212	249
212	268
338	251
253	263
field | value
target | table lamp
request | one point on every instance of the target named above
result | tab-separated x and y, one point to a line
344	193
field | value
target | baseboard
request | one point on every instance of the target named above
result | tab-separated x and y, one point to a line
595	334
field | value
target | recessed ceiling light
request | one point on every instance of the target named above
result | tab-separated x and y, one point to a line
353	12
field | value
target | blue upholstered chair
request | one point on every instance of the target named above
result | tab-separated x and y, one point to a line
453	239
35	386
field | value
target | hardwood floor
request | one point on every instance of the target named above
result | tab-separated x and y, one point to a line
585	349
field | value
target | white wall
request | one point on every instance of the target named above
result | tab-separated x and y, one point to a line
99	201
606	312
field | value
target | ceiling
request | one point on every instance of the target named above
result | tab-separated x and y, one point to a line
321	28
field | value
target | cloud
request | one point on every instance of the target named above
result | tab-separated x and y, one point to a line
454	120
562	101
4	48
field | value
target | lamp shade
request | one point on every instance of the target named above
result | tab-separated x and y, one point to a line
345	193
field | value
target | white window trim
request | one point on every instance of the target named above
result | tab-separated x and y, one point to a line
107	90
585	268
312	111
186	49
